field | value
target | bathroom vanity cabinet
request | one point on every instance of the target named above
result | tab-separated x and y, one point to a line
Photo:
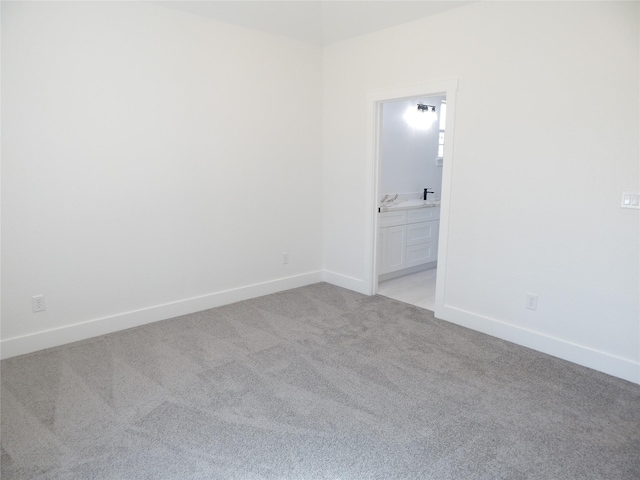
407	238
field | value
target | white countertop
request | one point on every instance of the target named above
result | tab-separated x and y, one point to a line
408	204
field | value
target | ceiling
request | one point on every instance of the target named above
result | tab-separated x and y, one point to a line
315	22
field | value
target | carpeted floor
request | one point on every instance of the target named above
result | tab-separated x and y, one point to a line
312	383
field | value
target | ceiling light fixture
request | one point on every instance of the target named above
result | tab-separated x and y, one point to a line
426	108
421	118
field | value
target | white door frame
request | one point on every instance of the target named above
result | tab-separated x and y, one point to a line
375	100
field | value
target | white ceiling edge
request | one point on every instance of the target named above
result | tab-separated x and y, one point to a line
315	22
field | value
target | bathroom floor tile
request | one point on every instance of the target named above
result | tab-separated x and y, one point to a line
416	288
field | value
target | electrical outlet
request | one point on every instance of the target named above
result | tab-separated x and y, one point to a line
285	258
532	301
37	303
630	200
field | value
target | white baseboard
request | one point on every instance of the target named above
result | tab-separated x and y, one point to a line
579	354
407	271
597	360
12	347
585	356
350	283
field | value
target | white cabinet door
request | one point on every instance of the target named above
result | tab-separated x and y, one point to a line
412	242
395	248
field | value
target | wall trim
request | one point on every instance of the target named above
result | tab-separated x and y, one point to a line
565	350
407	271
579	354
21	345
344	281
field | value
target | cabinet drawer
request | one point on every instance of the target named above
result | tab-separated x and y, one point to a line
389	219
421	253
423	214
422	232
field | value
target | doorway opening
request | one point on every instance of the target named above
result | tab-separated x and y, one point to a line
411	156
408	234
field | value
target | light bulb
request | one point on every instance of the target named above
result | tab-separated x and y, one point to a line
419	120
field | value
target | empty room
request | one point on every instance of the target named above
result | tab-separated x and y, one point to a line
205	204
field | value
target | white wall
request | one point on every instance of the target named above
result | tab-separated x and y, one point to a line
408	155
546	140
154	163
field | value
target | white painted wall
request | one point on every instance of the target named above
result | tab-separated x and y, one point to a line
408	155
154	163
546	139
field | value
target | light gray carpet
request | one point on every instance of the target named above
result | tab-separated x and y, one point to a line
312	383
